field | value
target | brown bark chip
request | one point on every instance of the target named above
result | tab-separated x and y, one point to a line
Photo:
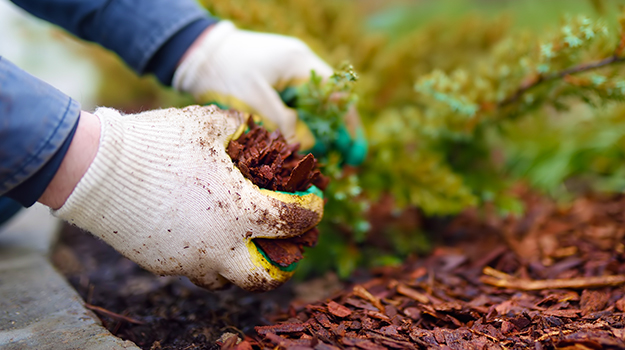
338	310
271	163
301	174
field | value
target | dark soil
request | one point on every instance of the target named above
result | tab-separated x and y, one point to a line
552	279
172	312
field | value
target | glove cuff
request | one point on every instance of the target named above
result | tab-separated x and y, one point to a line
189	71
112	199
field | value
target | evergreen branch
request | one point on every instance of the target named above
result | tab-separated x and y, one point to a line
535	81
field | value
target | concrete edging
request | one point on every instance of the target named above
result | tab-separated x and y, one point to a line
39	309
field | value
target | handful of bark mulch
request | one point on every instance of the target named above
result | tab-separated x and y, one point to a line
552	279
271	163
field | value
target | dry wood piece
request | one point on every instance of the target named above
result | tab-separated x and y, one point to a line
271	163
111	314
281	328
338	310
412	294
499	279
284	252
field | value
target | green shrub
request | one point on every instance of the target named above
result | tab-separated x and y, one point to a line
459	103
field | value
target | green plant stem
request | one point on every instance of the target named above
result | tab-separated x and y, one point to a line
559	75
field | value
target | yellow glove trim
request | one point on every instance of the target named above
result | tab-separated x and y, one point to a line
259	261
310	201
237	134
224	99
304	136
234	103
296	81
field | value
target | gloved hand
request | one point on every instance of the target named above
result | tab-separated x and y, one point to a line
245	71
163	192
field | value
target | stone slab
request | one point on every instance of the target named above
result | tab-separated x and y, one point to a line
38	308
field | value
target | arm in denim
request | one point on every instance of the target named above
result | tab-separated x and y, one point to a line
149	35
38	122
36	125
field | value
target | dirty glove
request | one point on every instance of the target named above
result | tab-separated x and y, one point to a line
245	70
163	192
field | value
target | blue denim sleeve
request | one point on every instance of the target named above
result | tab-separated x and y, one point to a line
137	30
36	125
37	122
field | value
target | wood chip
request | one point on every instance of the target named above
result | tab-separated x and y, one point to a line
280	328
301	174
338	310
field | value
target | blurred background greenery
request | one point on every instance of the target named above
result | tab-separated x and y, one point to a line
462	100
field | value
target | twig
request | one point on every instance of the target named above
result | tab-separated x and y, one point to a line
621	44
531	83
361	292
280	328
487	270
412	294
554	333
112	314
499	279
476	332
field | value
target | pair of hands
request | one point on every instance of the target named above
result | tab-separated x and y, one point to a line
161	188
247	70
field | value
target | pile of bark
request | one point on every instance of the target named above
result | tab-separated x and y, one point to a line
552	279
269	162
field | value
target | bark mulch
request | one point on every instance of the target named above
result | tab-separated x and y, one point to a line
552	279
268	161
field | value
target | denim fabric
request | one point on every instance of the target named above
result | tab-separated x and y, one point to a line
35	120
8	208
134	29
29	191
164	63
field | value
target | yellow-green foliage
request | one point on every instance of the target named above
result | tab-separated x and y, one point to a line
456	107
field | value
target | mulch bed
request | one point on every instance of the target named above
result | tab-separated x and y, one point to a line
552	279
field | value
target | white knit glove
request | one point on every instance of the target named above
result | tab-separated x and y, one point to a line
244	70
163	192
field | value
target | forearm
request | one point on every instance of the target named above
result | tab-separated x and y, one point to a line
37	126
149	35
79	156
